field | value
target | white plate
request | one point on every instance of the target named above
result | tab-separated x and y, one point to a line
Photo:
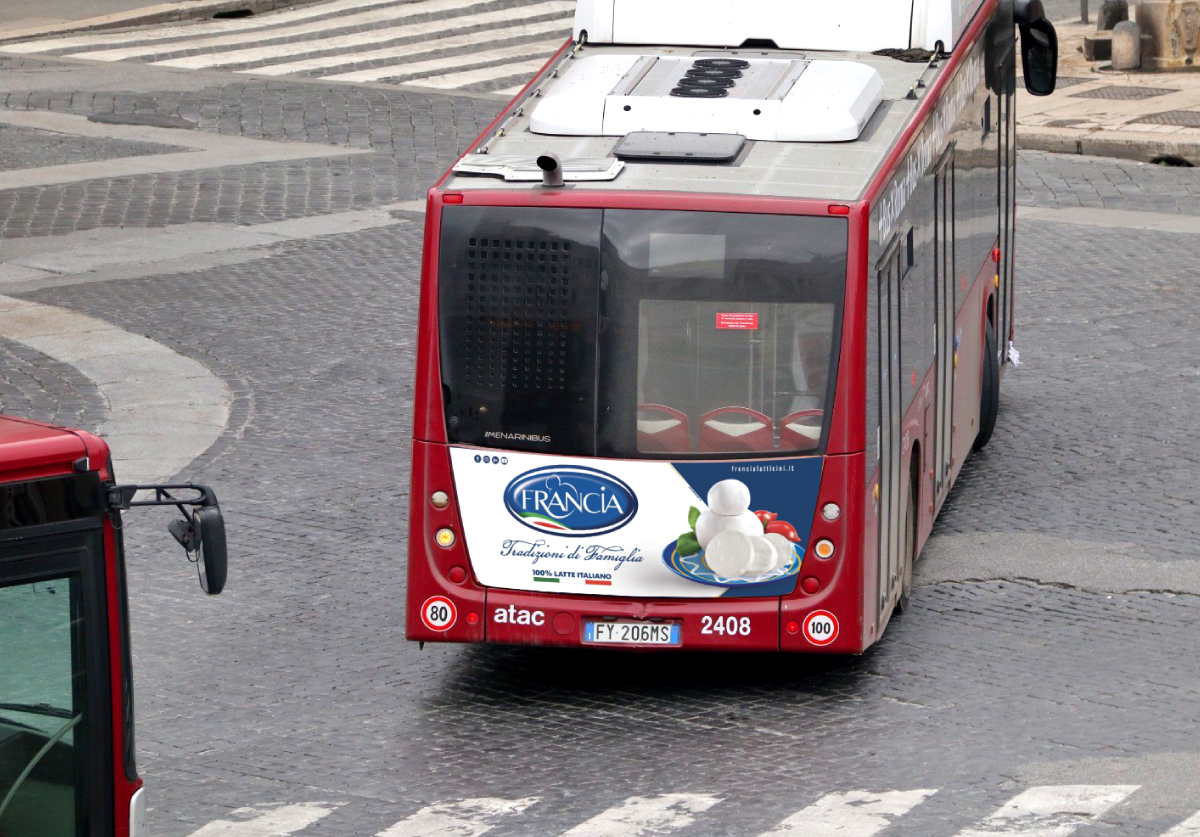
630	632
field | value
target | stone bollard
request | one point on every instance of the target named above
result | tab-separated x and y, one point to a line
1173	33
1126	46
1111	13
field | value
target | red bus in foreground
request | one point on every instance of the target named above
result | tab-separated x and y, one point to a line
66	691
711	317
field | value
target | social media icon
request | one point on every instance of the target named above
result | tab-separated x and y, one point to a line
478	457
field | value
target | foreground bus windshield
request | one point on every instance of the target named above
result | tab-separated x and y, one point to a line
640	334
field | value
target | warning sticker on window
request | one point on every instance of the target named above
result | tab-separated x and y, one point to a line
738	322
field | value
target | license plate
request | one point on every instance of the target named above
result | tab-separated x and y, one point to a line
631	633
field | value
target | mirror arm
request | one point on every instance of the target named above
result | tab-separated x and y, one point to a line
121	497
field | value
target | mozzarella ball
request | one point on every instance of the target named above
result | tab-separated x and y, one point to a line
709	525
729	497
729	553
783	549
764	559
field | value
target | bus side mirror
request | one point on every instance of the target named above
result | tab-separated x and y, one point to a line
200	530
1039	47
204	534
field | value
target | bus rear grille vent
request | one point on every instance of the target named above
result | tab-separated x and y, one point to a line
518	313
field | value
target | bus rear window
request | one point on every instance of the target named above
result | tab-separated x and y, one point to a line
640	334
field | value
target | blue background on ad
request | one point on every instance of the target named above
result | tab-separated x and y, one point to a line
790	491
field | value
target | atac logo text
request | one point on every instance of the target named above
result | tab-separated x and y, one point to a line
570	501
518	616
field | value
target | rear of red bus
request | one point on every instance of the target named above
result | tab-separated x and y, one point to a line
616	393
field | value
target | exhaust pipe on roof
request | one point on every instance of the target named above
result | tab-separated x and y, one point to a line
551	168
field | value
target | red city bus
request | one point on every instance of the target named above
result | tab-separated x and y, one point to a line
66	691
711	317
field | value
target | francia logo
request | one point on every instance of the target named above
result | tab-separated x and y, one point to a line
570	501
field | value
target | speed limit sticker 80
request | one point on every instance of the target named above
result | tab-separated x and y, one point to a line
820	627
439	613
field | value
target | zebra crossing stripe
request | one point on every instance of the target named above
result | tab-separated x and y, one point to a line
411	68
280	822
1188	828
193	30
543	48
1051	810
387	14
374	36
468	818
646	816
850	814
456	80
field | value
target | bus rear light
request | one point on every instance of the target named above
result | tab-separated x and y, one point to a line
824	549
996	254
811	584
831	511
793	627
472	618
457	574
839	209
445	538
452	199
439	500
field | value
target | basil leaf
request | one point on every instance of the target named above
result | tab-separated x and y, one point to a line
693	516
687	545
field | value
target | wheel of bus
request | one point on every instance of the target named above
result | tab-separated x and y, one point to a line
989	400
909	539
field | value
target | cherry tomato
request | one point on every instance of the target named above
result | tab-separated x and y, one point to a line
765	517
782	527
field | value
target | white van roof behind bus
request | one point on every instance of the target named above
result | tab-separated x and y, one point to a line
852	25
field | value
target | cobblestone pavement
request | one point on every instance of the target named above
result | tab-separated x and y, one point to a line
415	137
1066	180
295	686
24	148
35	386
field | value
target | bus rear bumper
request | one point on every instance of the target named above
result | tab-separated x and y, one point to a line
529	619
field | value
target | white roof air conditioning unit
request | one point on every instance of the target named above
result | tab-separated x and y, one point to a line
779	100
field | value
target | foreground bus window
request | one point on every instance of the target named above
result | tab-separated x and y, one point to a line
43	709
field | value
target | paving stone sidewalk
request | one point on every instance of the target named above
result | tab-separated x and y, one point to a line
1141	115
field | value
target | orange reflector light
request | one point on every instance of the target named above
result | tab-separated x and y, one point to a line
839	209
445	538
824	548
452	199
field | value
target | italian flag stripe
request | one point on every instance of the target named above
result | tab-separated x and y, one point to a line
545	580
597	581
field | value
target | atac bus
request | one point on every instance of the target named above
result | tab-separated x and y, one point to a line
67	766
711	317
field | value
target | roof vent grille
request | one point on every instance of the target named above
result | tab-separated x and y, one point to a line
787	99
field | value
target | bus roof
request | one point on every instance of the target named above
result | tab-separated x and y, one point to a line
581	101
28	447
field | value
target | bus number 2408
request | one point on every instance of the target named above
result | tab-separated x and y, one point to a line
725	626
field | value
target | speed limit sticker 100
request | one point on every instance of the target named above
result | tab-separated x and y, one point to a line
439	613
820	627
